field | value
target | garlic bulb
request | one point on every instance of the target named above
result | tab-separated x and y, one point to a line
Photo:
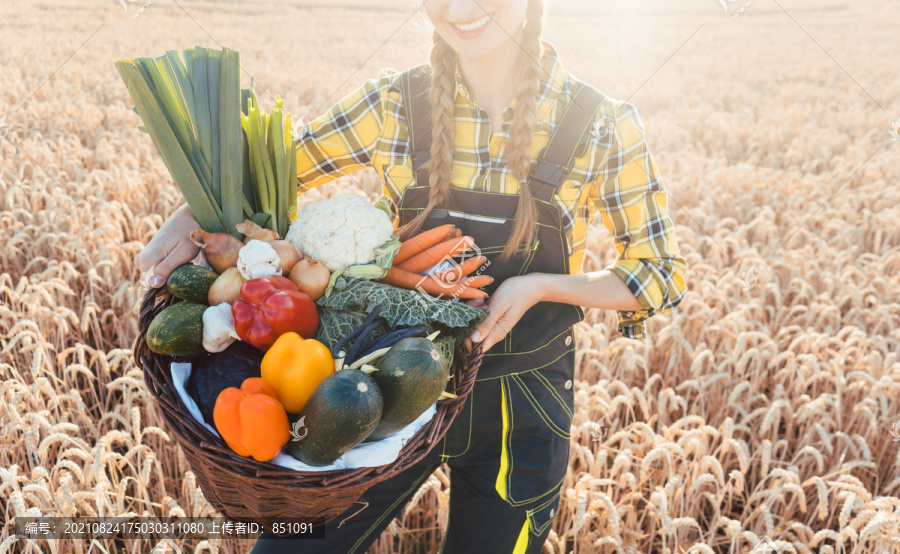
218	328
258	259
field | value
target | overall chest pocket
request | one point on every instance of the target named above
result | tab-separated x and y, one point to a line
480	215
490	233
536	414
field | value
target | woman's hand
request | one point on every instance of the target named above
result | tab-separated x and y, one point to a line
506	306
600	289
169	248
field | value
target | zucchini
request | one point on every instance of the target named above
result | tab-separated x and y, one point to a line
191	282
341	412
177	330
411	377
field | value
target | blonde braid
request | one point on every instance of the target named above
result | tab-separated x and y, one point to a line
522	128
443	107
443	98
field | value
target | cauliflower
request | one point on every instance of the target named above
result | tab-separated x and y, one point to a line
341	231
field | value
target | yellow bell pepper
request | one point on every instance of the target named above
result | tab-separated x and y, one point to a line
295	366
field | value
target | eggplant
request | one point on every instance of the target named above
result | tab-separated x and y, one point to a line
215	372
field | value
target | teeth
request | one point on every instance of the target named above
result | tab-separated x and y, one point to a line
477	24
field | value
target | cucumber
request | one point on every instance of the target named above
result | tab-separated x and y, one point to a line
191	282
341	412
411	377
178	330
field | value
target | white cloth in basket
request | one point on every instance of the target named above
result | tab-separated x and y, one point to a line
369	454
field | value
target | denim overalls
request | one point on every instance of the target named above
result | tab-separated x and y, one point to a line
508	448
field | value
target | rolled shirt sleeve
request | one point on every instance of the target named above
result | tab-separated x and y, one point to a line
632	202
344	139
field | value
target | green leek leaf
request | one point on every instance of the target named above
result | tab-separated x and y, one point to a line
230	137
170	150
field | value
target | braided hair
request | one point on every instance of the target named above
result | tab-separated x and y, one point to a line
443	102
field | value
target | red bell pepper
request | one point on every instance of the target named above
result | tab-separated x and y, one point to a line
271	306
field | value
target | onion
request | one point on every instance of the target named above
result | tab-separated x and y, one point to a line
254	232
226	288
219	249
311	277
287	254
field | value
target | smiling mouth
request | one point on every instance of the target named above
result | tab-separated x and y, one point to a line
474	25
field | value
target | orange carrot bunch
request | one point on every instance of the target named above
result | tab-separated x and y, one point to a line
429	248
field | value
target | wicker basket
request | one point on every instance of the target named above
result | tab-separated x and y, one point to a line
243	489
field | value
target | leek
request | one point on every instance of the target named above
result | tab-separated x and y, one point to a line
272	159
231	174
173	155
229	158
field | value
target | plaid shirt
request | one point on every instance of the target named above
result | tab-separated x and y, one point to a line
615	175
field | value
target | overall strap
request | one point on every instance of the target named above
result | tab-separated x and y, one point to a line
415	84
558	158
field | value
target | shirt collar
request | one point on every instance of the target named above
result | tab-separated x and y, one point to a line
553	83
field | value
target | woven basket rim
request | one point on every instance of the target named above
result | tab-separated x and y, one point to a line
194	436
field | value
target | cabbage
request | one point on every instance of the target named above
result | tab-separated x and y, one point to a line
352	299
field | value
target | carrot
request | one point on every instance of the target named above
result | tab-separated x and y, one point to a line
458	272
476	281
404	279
423	240
469	293
436	254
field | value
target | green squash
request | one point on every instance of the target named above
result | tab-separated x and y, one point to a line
411	376
191	282
178	330
341	412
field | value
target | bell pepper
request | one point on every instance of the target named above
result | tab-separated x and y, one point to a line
295	366
251	420
270	306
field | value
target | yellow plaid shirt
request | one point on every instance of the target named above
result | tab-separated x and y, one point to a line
614	175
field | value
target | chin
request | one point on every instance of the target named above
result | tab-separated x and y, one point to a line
491	41
480	33
477	51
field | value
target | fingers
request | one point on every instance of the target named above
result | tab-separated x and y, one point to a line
468	345
184	252
499	331
145	259
479	303
484	327
493	328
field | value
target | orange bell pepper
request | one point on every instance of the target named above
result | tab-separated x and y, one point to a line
251	420
295	366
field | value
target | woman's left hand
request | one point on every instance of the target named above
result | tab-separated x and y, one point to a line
506	306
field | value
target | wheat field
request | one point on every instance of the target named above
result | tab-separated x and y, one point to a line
765	409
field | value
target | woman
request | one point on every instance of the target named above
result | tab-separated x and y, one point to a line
475	150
